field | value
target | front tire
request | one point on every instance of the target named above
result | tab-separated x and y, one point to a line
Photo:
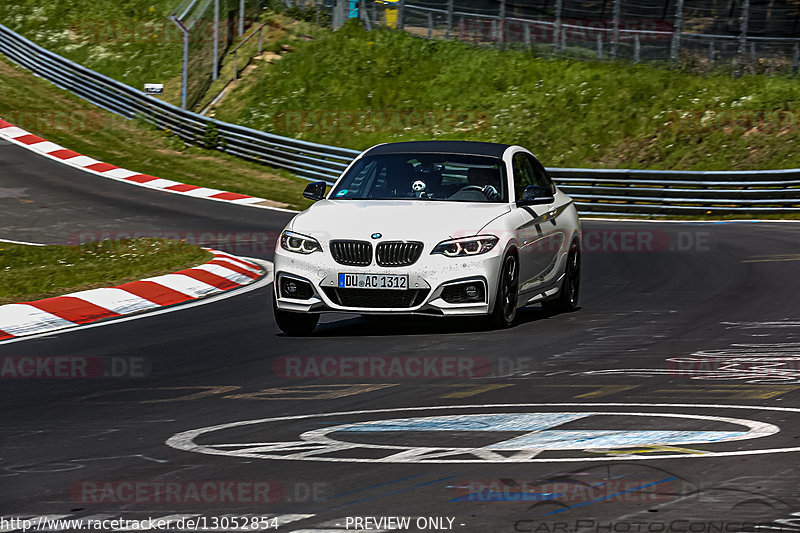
294	324
567	299
505	305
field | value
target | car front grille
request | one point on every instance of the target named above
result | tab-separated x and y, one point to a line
352	253
398	253
376	298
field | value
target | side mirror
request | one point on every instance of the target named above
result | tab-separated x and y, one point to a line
535	195
315	191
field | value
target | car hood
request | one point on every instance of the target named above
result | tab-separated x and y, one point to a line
395	219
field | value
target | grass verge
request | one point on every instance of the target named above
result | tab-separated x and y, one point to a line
58	116
356	88
132	41
36	272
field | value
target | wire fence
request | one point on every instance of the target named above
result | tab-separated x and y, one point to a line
753	38
208	28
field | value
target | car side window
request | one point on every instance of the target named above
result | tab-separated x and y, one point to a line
523	174
540	174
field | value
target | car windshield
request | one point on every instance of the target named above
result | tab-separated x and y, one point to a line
435	177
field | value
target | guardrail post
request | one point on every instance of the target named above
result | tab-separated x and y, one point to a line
557	24
241	18
599	45
527	32
449	18
677	28
615	36
501	23
637	48
185	69
400	10
430	24
364	15
796	58
711	52
745	19
215	66
185	60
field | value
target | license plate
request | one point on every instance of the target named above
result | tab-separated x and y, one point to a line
373	281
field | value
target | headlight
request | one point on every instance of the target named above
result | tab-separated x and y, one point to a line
480	244
301	244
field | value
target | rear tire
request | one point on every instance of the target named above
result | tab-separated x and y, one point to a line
505	305
567	299
294	324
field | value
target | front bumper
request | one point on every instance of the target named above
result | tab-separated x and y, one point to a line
428	282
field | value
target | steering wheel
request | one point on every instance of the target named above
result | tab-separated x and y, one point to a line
471	188
488	191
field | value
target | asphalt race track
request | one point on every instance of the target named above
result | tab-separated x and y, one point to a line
669	402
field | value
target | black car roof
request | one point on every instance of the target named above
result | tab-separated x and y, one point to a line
441	147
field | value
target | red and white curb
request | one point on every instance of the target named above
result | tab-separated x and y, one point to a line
58	153
223	273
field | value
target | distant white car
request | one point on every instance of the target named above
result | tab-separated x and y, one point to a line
441	228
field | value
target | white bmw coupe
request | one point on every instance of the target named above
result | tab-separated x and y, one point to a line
441	228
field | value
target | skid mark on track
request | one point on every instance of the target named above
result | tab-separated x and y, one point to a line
764	363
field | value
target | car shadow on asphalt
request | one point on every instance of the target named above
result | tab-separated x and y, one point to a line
378	325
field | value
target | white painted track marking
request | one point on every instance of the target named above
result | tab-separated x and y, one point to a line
82	161
289	518
223	272
120	173
541	435
23	242
160	183
202	191
116	300
239	264
185	440
185	284
21	319
46	147
13	132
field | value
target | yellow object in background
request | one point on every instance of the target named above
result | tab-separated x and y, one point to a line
390	12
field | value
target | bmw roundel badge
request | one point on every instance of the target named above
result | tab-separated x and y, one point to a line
376	235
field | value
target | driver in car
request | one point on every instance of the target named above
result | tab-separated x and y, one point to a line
486	178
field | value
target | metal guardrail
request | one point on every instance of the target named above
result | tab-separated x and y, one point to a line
658	193
306	159
601	192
